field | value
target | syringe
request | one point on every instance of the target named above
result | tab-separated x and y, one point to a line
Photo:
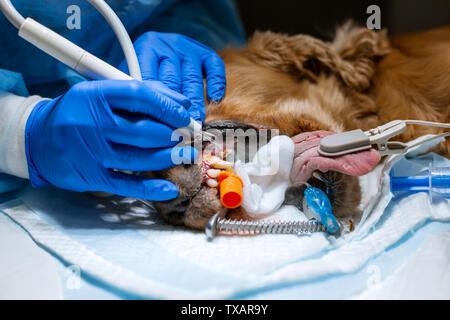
436	182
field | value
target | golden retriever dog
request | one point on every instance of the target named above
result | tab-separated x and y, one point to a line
306	87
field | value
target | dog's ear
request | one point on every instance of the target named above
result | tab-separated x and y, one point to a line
351	56
362	48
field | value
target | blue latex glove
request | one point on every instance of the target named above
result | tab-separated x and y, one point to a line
181	63
74	141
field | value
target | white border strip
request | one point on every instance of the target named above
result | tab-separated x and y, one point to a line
90	263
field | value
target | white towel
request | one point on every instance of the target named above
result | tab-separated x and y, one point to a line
266	177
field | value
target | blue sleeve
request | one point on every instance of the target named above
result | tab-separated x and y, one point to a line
213	23
9	183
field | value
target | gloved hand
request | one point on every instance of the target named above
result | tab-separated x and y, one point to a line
181	63
74	141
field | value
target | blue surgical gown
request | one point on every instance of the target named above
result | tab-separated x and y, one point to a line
25	70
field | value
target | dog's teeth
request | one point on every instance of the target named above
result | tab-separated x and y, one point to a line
212	183
218	163
222	165
213	173
224	154
214	159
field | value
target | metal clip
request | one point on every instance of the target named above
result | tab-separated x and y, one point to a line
380	136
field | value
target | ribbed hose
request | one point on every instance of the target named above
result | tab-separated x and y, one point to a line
266	227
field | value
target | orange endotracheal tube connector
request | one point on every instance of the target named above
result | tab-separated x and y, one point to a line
230	188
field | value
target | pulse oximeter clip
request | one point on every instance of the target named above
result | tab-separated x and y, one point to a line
357	140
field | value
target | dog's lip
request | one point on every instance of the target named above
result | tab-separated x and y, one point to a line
328	187
223	125
203	168
195	194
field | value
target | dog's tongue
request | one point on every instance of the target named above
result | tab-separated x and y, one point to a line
307	158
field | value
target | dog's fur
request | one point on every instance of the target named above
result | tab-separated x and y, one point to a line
361	79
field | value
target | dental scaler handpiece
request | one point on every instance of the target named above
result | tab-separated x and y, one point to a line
72	55
436	182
